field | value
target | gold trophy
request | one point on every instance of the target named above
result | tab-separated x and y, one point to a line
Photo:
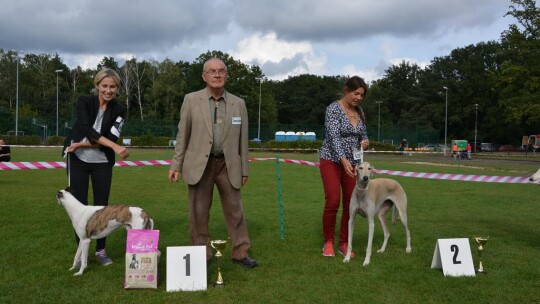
481	241
218	245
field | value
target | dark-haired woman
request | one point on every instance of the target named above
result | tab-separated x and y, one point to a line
345	132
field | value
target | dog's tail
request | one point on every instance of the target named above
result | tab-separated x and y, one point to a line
395	215
148	222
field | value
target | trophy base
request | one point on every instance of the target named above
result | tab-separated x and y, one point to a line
219	284
480	268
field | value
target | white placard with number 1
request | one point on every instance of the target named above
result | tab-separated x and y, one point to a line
186	268
454	257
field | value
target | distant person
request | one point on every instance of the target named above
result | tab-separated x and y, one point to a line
469	150
345	129
212	149
5	151
402	145
91	145
455	151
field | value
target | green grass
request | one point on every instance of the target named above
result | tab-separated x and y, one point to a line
38	241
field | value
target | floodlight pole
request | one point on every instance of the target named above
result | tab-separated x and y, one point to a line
379	123
57	71
475	125
260	98
17	101
445	119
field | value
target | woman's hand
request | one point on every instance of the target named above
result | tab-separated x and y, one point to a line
73	147
349	169
364	143
121	151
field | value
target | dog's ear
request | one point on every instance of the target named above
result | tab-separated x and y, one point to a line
68	189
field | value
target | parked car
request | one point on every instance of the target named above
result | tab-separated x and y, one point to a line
508	148
442	147
430	148
487	147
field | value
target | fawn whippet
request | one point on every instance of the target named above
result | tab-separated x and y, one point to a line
372	196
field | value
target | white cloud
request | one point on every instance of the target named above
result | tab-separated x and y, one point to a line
84	61
397	61
90	61
369	74
283	37
264	48
268	50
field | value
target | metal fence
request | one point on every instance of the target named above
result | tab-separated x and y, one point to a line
45	128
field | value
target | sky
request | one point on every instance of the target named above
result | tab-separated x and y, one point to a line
283	37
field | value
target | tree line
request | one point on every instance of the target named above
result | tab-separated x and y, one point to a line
492	87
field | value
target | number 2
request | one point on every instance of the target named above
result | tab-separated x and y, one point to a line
455	250
187	257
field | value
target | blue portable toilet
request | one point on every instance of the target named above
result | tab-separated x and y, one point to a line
300	135
310	136
290	136
280	136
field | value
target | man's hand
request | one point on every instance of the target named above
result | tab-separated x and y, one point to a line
173	176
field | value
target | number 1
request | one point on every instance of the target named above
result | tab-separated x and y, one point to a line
187	257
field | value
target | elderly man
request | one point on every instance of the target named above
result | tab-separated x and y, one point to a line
212	149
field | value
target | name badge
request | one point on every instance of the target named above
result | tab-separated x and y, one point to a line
237	120
358	154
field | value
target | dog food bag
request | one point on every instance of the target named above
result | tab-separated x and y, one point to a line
141	259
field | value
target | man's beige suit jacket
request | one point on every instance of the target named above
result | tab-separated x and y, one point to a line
194	139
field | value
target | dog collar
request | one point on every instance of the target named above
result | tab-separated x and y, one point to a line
361	189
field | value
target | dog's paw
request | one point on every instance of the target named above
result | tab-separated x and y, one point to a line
380	250
346	259
77	273
408	250
366	262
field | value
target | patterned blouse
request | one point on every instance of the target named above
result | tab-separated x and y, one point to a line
341	137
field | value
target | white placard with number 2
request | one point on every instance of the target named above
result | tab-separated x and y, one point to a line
454	257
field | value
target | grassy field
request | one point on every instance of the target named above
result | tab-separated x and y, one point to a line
38	241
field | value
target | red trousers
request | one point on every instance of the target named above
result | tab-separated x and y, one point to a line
338	187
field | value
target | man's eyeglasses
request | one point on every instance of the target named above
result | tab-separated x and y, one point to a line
220	72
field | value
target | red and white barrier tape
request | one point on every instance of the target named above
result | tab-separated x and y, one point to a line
31	165
459	177
440	176
139	163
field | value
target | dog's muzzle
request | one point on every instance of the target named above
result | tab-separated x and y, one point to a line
365	178
59	195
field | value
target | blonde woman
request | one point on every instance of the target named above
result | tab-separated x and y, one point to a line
91	145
